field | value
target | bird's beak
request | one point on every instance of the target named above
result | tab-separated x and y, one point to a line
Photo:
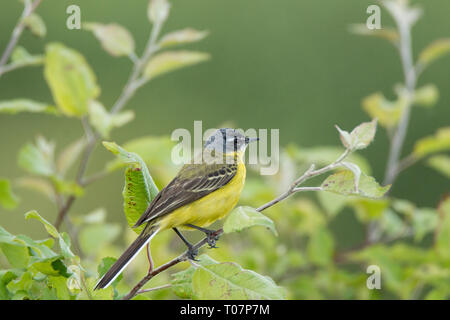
249	139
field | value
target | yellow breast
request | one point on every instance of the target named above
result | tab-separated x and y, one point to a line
210	208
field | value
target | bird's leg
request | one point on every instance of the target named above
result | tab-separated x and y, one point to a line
210	235
192	253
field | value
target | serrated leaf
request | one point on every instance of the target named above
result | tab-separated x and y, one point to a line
158	11
364	134
172	60
356	172
48	226
103	121
139	188
36	25
115	39
441	163
8	199
38	158
386	33
432	144
24	105
360	137
426	96
344	183
187	35
181	283
434	51
228	280
71	79
245	217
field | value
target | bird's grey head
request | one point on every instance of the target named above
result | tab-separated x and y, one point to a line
228	140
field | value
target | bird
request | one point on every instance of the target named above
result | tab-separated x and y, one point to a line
200	194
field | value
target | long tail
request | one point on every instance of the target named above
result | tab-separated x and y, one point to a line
129	254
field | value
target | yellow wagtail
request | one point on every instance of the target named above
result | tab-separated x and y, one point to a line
199	195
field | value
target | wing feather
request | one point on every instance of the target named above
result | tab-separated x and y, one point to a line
193	182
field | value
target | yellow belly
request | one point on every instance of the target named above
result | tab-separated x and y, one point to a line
210	208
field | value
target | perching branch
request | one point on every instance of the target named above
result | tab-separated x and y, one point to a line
130	88
294	188
29	8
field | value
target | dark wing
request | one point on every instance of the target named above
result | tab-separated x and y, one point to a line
193	182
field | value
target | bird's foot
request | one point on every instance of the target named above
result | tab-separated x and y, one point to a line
192	253
212	238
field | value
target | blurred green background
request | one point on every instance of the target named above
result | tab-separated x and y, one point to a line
283	64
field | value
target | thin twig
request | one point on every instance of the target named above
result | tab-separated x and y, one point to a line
311	172
17	32
155	288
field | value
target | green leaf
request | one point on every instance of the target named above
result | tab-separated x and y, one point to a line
387	112
360	137
139	188
48	226
343	183
69	156
60	284
23	283
228	280
181	283
187	35
71	80
16	254
426	96
321	247
103	121
21	57
172	60
442	243
115	39
370	209
332	203
38	158
158	11
95	236
64	244
432	144
25	105
7	198
441	163
384	33
245	217
36	25
435	50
